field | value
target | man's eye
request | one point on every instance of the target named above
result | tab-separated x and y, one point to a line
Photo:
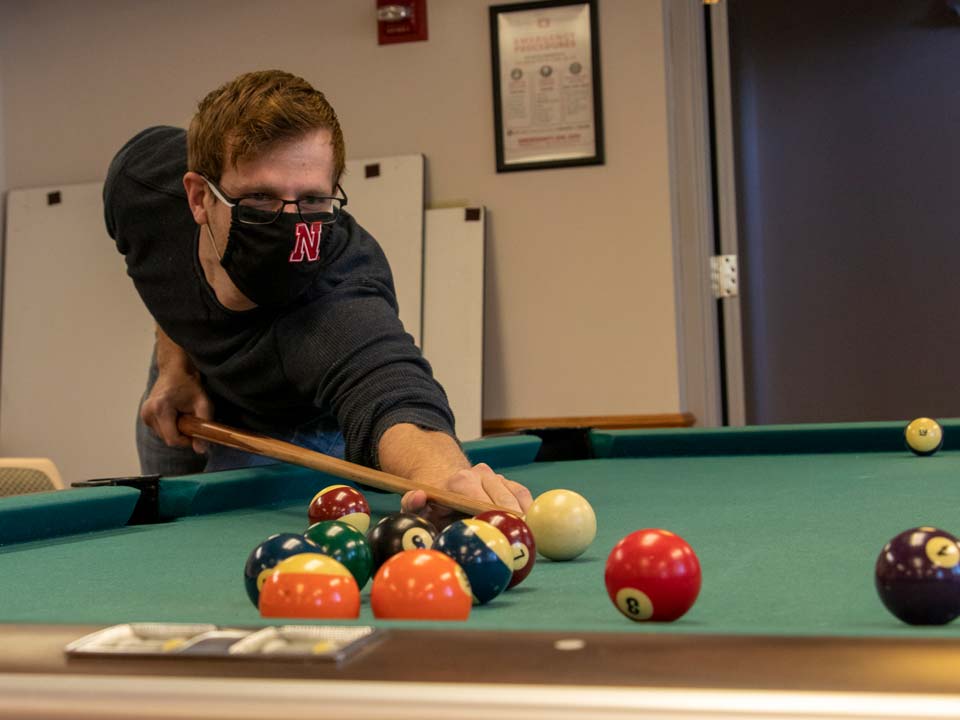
260	201
314	203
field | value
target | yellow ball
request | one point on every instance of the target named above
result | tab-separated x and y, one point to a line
923	436
563	524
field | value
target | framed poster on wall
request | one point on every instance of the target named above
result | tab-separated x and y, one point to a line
546	84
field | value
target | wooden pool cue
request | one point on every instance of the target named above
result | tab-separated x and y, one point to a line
287	452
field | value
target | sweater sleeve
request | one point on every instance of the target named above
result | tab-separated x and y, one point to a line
350	349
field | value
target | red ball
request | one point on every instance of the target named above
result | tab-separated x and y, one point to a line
653	575
343	503
520	538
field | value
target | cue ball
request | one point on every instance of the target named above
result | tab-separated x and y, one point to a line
563	524
653	575
917	576
923	436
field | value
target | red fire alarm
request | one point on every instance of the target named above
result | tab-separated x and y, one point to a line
404	21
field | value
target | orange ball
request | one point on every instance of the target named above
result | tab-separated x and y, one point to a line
310	586
421	585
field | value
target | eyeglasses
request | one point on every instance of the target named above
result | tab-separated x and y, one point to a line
260	209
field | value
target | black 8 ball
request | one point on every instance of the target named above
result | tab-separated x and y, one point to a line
398	532
918	576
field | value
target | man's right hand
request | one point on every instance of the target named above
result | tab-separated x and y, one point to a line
177	390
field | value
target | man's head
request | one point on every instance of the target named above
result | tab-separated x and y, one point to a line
265	139
241	119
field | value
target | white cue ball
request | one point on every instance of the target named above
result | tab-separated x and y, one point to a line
563	524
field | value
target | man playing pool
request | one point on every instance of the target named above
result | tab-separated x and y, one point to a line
275	310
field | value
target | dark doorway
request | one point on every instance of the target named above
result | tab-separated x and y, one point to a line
847	136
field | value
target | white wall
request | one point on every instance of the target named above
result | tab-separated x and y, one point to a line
580	315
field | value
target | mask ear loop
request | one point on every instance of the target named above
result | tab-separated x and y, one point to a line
214	243
210	232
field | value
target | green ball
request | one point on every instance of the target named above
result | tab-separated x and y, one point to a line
345	544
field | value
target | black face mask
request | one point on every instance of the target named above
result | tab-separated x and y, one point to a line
273	264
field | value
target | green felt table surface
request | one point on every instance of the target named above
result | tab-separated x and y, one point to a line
787	536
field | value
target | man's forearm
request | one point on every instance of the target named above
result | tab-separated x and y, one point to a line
424	456
170	356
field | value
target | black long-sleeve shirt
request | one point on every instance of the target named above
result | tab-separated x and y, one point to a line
338	354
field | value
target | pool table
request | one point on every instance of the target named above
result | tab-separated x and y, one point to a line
787	522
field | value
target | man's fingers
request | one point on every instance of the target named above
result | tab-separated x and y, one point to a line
480	483
440	515
521	493
167	426
495	486
413	501
203	408
162	408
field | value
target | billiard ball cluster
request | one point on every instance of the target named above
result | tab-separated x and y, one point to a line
418	572
422	574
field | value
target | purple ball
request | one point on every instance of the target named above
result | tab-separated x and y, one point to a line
918	576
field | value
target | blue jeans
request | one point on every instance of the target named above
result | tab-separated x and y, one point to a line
156	458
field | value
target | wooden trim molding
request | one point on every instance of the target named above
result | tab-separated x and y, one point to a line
608	422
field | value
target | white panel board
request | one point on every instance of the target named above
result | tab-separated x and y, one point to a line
76	337
386	197
453	310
